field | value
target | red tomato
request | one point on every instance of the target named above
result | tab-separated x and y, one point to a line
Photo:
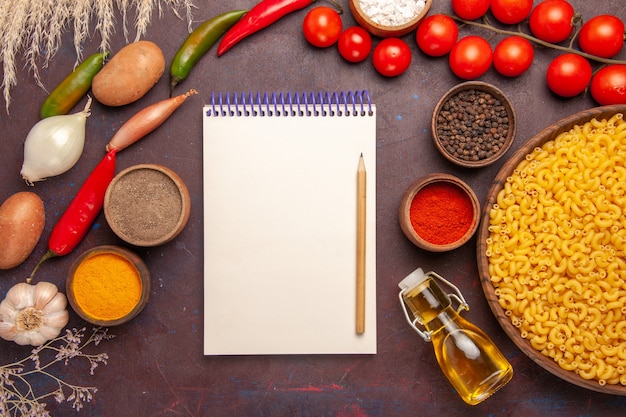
437	34
511	11
513	56
568	75
551	20
322	26
470	9
391	57
471	57
602	36
355	44
608	85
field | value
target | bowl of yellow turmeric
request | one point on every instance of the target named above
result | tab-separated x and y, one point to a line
108	285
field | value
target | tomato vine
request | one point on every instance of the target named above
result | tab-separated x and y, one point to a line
486	24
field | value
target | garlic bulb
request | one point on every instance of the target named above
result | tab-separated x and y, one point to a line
33	314
54	145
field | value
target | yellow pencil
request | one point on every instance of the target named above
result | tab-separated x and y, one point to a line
360	248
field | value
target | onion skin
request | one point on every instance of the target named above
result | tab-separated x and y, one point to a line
54	145
145	121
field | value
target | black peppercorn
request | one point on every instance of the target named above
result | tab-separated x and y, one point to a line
472	125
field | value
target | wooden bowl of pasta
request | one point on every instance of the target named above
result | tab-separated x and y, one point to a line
551	249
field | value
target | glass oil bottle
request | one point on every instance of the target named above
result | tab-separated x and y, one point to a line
467	356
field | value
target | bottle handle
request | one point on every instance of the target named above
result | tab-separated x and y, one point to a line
424	334
457	295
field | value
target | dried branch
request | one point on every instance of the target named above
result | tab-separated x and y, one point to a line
18	393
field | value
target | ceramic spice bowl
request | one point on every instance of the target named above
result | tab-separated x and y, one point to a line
108	285
389	18
439	212
473	124
147	205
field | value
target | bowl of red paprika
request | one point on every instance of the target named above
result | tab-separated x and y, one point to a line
439	212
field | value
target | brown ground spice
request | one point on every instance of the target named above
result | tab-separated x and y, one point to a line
145	205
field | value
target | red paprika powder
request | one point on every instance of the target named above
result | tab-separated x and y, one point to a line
441	213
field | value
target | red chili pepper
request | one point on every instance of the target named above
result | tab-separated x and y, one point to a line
260	16
82	211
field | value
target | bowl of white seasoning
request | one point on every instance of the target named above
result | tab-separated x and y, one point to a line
389	18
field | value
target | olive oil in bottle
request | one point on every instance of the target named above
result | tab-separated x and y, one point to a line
467	356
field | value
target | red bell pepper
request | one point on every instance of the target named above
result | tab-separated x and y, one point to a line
82	211
260	16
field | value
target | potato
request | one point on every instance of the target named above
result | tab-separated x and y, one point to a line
22	219
129	75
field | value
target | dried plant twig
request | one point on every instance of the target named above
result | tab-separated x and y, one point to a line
18	391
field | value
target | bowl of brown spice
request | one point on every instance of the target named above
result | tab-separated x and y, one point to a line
473	124
147	205
389	18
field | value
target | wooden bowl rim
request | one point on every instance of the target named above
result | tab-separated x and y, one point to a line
185	208
382	31
405	207
482	86
545	135
140	266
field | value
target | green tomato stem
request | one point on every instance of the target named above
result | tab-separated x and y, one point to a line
49	254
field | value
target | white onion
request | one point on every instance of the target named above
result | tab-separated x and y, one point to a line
54	145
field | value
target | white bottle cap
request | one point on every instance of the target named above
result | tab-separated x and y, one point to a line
412	280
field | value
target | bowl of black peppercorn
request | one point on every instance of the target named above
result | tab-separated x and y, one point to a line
473	124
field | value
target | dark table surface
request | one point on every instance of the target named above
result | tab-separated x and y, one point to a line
156	365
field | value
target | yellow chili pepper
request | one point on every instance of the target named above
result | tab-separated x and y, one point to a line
73	87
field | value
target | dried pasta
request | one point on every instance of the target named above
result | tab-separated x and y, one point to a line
557	249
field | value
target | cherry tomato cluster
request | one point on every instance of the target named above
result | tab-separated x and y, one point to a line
551	21
471	56
322	27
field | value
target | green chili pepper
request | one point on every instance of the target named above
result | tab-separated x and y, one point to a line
73	87
198	43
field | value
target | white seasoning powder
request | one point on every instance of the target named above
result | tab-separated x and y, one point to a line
392	12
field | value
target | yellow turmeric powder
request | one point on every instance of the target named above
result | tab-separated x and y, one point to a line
106	286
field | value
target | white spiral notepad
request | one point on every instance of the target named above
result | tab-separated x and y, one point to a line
280	223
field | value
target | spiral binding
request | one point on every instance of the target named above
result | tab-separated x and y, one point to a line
333	104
